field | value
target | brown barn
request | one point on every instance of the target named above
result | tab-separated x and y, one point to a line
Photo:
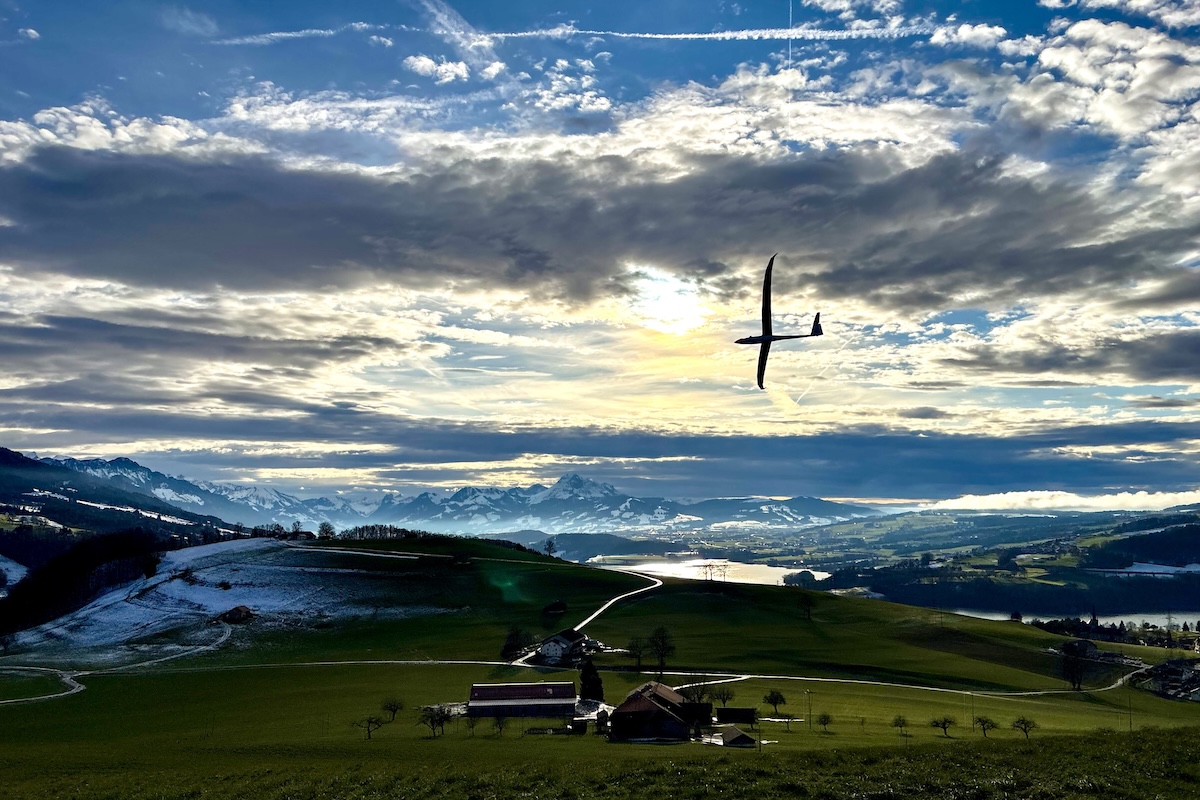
656	711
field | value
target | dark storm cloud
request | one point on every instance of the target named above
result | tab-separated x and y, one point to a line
1166	357
848	225
47	344
863	461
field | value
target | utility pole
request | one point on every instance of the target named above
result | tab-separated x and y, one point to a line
808	716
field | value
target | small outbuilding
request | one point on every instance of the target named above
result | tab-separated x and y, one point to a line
545	700
732	737
737	716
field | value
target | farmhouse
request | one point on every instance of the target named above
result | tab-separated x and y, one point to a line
561	647
656	711
544	700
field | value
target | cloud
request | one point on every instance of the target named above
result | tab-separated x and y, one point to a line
441	71
752	34
982	36
29	33
188	22
382	41
263	39
1171	356
1069	501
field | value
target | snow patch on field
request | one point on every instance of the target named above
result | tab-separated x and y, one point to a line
12	571
196	584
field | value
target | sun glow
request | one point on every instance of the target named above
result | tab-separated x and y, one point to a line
664	303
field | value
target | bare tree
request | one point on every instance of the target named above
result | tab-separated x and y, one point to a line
824	719
498	723
471	722
393	706
900	723
550	547
326	530
637	648
297	527
662	646
775	699
369	724
1024	725
694	694
986	724
945	723
787	720
722	695
434	718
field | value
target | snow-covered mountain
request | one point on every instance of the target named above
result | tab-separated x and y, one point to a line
572	505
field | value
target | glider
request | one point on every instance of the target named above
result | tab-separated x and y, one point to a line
767	337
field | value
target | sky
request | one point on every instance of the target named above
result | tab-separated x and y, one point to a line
417	245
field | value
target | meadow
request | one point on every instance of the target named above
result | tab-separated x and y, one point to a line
270	715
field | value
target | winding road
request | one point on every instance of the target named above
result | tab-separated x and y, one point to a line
73	686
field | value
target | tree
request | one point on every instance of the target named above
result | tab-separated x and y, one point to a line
945	723
722	695
824	720
471	722
369	724
516	642
591	687
326	530
775	699
393	706
498	723
1074	663
806	605
694	694
434	718
1024	725
986	724
549	547
900	723
297	527
637	647
787	720
662	646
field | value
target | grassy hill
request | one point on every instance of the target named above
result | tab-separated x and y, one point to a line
269	714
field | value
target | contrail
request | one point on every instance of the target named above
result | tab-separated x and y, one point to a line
825	369
474	39
566	31
308	33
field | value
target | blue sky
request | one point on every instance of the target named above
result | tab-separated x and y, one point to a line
421	245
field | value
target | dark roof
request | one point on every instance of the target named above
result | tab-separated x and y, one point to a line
737	716
570	634
732	737
523	691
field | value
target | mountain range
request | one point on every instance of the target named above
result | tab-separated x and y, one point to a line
572	505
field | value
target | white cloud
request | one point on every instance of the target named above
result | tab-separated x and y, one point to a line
983	36
441	71
1069	501
188	22
29	33
1172	13
492	70
380	40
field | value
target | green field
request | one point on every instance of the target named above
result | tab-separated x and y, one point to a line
259	718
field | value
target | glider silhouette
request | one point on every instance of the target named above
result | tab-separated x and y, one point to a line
764	341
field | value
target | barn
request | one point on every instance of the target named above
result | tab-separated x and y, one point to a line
545	700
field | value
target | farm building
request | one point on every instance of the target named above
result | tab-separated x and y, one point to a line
656	711
561	647
737	716
547	700
732	737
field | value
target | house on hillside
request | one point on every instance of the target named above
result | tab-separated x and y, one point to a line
656	711
562	647
546	700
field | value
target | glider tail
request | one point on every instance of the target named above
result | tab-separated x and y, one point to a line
816	328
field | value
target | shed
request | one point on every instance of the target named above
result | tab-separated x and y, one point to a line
737	716
732	737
